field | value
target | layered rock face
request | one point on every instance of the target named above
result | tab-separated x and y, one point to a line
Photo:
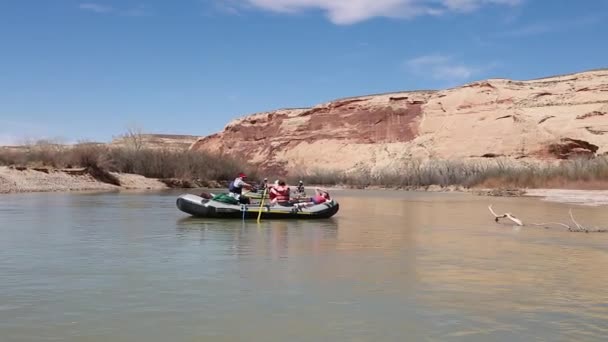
552	118
156	141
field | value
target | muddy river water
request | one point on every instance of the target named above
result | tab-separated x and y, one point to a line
390	266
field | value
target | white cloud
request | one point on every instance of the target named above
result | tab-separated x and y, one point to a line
97	8
441	68
139	11
344	12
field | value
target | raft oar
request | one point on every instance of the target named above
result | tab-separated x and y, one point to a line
261	204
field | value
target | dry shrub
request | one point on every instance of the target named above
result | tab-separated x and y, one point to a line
35	155
199	167
157	163
103	175
87	155
153	163
491	174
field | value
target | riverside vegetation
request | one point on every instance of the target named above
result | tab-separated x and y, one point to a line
582	173
185	168
176	168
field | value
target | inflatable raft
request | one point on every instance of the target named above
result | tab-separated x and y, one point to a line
201	207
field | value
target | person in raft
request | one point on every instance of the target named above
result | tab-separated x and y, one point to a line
300	190
271	194
235	188
321	196
279	193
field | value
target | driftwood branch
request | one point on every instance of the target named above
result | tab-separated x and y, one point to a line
505	215
545	224
576	228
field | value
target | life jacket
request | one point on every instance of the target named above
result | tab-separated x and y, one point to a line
281	193
318	199
234	189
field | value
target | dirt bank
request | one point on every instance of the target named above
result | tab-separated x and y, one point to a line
45	180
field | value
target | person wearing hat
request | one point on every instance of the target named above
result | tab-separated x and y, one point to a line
236	188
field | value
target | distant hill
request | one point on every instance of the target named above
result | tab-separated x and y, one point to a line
165	141
168	141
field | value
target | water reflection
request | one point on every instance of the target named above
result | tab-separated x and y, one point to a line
270	238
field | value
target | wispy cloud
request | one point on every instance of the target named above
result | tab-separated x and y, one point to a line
227	7
443	68
540	28
97	8
139	11
529	30
345	12
472	5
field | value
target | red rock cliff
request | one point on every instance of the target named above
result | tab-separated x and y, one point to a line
557	117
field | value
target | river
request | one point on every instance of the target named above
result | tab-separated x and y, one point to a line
390	266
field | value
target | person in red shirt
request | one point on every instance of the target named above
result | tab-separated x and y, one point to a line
321	196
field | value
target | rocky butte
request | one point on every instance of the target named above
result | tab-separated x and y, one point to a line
544	119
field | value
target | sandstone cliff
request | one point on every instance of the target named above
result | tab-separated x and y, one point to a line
551	118
155	141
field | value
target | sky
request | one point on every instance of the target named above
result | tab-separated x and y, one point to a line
89	70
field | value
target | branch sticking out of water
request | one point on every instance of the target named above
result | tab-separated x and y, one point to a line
576	228
506	215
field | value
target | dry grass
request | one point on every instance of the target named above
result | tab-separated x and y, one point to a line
153	163
196	167
174	164
498	173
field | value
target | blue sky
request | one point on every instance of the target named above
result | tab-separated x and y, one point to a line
87	70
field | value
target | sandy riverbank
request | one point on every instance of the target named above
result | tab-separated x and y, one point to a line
30	180
581	197
569	196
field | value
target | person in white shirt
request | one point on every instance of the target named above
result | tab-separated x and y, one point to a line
236	188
